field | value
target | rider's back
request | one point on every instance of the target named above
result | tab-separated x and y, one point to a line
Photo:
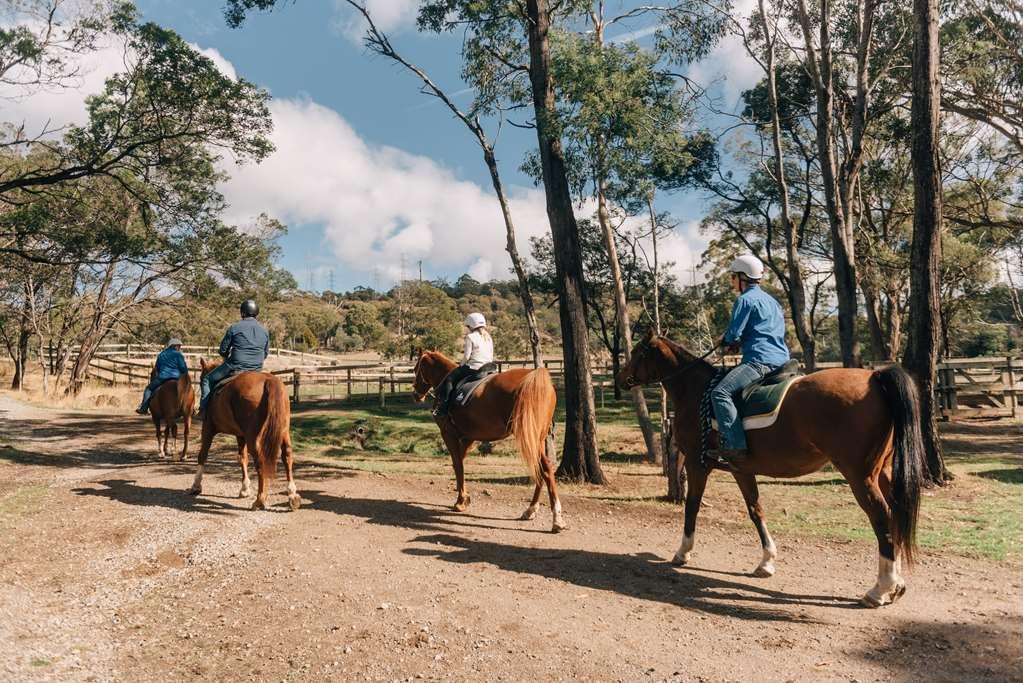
246	344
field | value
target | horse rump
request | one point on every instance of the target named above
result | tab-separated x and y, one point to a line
903	401
186	396
531	418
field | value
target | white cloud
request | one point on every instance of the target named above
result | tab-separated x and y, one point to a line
728	63
225	67
390	16
377	203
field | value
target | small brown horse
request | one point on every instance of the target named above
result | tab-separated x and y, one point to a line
173	400
519	402
254	408
866	423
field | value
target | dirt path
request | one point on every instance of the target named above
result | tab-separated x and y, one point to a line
109	571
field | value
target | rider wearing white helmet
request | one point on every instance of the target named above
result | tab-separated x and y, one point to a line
758	327
479	352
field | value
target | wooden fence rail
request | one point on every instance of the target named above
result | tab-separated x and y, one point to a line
966	386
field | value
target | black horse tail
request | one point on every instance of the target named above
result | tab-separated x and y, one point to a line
903	402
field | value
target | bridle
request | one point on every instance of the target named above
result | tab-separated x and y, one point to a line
418	378
631	381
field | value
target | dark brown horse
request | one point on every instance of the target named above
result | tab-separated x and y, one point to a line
174	400
518	402
865	423
254	408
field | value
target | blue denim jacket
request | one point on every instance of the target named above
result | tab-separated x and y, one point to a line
759	325
170	364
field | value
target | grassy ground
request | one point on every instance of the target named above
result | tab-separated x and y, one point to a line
980	514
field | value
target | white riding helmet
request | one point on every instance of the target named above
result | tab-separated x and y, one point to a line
174	341
749	265
475	320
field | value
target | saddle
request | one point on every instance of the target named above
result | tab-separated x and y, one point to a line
219	386
761	401
462	393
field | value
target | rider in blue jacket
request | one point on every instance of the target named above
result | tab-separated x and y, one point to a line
758	327
170	364
245	346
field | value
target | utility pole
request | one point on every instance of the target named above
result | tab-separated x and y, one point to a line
420	270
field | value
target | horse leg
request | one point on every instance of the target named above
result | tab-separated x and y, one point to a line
889	586
457	448
204	452
294	500
694	496
751	494
159	437
548	476
264	474
184	435
174	436
530	512
243	460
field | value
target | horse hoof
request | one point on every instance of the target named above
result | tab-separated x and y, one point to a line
528	515
763	572
874	601
680	560
195	490
558	527
258	505
295	502
244	493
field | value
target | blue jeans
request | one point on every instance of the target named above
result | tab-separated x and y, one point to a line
722	399
147	394
212	377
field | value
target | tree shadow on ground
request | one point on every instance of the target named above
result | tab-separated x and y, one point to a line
1009	475
643	576
925	650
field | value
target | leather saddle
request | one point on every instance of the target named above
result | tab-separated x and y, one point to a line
776	376
219	386
462	393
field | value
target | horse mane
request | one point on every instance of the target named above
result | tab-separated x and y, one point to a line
683	353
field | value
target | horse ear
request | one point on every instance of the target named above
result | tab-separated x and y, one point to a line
418	353
649	335
202	363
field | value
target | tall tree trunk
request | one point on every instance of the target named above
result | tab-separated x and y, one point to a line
795	286
875	315
579	458
921	358
672	464
622	317
821	69
21	355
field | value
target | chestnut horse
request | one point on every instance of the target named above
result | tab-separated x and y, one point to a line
254	408
519	402
173	400
865	423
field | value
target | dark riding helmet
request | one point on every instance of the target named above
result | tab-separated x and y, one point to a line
249	308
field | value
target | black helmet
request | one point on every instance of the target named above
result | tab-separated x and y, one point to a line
250	309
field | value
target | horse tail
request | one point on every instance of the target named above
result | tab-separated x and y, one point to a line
275	415
903	402
186	397
531	418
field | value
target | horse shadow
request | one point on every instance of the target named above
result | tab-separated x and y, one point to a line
642	576
126	491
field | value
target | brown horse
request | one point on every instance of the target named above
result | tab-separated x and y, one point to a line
519	402
254	408
865	423
173	400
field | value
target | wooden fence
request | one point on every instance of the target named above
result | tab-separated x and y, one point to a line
967	387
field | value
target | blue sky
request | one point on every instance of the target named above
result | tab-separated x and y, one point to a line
368	169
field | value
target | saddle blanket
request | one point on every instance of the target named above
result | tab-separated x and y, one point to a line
464	392
760	404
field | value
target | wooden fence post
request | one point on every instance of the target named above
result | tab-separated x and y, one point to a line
296	383
348	396
1009	382
392	379
382	392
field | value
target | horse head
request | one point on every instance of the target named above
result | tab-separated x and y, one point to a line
430	370
653	359
206	367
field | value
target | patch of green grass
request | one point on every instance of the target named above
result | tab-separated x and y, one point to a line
39	661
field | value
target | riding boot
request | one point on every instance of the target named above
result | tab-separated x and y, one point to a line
443	394
730	458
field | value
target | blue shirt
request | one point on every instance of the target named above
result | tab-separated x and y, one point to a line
245	345
170	364
759	324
